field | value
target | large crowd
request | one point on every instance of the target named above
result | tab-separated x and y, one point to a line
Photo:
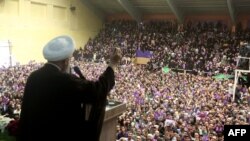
200	46
160	106
12	83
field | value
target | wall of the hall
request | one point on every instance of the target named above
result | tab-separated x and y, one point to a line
208	17
245	20
144	17
30	24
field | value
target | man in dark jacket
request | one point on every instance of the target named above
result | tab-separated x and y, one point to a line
53	99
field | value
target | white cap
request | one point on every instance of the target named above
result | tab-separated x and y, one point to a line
59	48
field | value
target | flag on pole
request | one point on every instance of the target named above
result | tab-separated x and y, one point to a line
143	57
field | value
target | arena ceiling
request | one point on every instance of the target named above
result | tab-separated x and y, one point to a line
180	8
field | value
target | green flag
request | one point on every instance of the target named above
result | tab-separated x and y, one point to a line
223	76
165	70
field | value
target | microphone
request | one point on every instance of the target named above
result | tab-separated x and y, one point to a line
78	72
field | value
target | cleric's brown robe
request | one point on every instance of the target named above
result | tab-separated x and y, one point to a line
51	108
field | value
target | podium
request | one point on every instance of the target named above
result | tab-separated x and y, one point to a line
113	110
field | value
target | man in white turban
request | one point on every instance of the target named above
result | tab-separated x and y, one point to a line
59	51
53	99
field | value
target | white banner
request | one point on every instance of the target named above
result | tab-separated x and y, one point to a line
5	55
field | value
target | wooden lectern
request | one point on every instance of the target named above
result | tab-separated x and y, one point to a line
113	110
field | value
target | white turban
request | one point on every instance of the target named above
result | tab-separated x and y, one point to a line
59	48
